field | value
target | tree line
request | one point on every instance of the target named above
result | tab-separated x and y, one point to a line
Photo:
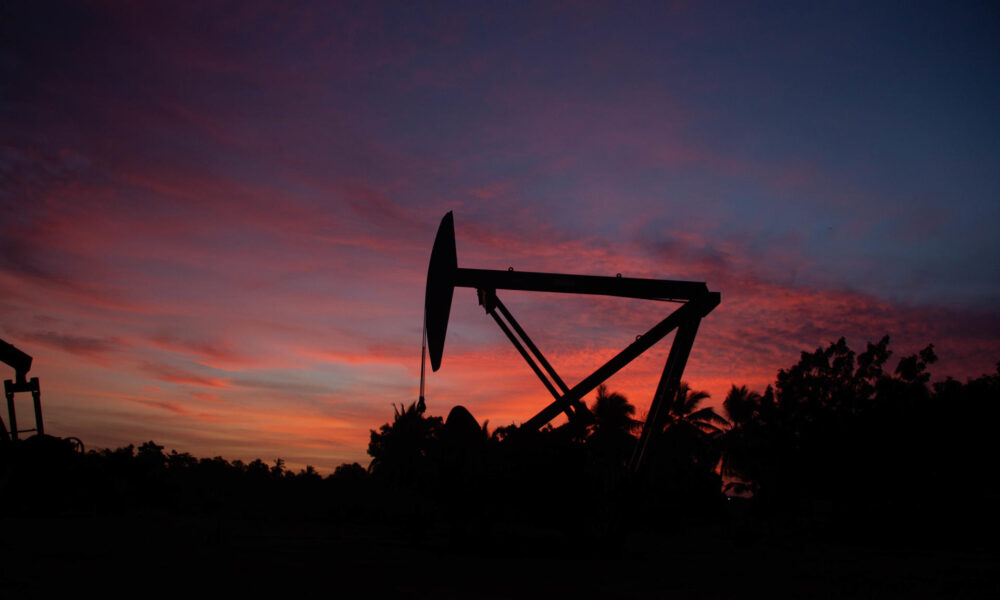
842	445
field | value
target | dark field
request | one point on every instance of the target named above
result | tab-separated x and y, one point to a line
155	554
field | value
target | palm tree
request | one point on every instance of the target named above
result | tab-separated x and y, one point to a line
613	412
400	450
684	411
690	430
612	441
742	406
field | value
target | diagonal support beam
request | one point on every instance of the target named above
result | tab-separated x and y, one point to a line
524	353
531	345
691	311
532	355
666	389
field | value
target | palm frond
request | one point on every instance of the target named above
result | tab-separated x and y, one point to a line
707	415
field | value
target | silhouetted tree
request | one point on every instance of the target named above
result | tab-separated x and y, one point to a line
843	443
742	407
613	412
681	460
611	441
683	409
151	456
177	462
401	451
309	473
348	474
690	430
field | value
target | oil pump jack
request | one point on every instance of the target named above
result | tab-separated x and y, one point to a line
21	363
695	299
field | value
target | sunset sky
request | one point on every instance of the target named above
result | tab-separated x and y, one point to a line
217	216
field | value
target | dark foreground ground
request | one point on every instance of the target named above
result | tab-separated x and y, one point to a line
157	555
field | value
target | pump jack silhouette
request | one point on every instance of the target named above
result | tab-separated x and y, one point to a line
444	275
21	363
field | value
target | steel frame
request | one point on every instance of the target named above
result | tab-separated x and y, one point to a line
685	320
10	388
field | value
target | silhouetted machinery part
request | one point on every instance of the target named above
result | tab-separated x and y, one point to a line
696	301
21	363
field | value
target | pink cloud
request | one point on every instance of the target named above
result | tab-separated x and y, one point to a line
171	374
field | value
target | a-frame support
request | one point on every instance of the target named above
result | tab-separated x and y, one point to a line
685	320
576	411
11	387
21	363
